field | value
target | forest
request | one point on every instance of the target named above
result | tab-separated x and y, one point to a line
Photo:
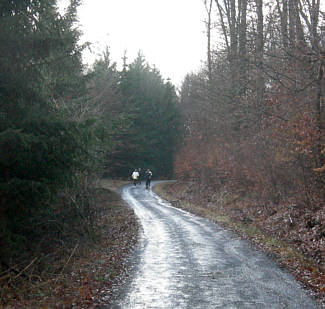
244	135
258	103
63	126
253	146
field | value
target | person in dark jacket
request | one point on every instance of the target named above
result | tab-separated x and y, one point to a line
148	176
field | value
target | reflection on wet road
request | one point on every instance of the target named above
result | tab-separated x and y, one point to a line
185	261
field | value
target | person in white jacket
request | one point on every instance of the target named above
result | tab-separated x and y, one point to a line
135	176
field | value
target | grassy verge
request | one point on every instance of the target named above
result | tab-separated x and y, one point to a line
85	274
311	275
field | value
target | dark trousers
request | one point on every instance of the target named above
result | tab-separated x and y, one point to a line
148	183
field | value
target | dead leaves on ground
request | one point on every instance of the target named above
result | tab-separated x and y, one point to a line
95	270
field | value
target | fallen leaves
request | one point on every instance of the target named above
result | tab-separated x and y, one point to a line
94	270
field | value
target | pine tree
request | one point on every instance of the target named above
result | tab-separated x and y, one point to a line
153	120
43	149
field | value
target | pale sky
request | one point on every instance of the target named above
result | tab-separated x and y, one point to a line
170	33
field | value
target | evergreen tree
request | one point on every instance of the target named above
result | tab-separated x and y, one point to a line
153	120
43	149
139	114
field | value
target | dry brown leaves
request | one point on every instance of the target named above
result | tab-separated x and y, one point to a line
94	271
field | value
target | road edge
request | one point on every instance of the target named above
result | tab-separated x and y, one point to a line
281	252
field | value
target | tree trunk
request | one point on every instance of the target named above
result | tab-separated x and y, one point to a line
284	21
292	23
243	43
208	7
318	111
233	46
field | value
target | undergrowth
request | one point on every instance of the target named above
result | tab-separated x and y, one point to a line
80	270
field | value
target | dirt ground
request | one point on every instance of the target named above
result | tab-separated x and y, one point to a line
91	273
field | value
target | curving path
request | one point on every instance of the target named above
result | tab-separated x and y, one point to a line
184	261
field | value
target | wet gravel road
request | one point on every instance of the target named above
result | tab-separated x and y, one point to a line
184	261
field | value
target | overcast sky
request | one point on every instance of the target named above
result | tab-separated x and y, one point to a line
170	33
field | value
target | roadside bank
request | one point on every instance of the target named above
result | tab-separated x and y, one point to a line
88	274
303	266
